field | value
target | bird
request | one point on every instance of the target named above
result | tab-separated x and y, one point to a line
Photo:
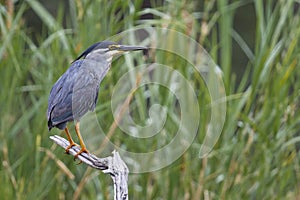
76	92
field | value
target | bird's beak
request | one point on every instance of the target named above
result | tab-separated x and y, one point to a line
131	48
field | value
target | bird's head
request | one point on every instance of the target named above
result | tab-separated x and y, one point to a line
107	50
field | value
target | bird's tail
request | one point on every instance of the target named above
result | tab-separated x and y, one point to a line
50	125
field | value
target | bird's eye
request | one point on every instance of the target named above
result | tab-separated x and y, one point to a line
113	47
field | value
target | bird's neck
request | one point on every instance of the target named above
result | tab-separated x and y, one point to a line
100	58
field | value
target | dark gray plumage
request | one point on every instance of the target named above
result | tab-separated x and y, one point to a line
76	91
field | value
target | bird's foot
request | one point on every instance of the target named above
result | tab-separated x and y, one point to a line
70	146
81	151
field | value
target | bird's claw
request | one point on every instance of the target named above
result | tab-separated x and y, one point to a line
70	146
81	151
78	162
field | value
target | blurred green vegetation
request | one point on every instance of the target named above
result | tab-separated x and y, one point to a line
257	155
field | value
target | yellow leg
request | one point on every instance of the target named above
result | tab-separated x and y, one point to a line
83	148
72	143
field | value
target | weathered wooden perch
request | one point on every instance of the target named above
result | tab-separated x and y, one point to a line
112	165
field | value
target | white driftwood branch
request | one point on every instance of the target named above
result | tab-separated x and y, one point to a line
112	165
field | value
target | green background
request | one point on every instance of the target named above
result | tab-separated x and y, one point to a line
255	43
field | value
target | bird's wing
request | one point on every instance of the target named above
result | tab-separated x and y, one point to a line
77	93
85	93
56	93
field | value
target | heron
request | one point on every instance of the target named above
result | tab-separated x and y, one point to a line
76	92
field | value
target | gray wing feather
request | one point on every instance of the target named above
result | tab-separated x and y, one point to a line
74	94
56	94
